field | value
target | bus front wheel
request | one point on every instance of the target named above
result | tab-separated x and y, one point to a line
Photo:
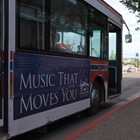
95	100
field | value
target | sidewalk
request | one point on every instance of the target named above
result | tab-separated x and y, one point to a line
122	124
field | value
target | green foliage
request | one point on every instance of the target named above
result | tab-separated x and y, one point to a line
134	7
112	56
138	64
132	62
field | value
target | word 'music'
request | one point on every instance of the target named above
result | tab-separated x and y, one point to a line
31	81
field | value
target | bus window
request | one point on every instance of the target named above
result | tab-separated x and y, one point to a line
98	34
31	24
68	30
112	46
95	43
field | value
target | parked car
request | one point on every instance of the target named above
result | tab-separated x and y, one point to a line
131	70
135	69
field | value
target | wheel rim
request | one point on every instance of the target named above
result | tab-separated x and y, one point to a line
95	98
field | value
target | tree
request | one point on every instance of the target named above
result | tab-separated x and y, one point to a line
138	63
133	6
112	56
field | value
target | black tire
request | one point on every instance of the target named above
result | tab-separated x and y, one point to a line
95	100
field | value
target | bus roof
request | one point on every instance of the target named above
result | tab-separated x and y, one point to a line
111	7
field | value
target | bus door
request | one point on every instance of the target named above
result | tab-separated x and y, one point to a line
115	50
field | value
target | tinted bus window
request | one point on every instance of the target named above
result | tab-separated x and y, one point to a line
31	24
68	27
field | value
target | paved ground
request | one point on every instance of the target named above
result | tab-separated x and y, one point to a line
121	124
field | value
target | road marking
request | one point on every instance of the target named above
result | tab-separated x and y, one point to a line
101	118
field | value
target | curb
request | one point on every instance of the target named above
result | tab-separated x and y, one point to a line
101	118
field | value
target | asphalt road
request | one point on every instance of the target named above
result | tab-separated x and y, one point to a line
130	84
64	127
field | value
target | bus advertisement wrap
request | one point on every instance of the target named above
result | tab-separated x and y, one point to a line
45	82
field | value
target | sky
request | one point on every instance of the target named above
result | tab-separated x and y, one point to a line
129	49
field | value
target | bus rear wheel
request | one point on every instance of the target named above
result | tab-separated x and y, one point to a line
95	100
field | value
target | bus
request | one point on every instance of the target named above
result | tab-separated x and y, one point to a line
57	58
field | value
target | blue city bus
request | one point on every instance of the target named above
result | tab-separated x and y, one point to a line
57	58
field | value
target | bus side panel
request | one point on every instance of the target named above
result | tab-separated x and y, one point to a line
47	88
100	68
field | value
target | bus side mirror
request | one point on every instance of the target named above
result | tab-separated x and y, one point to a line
128	38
